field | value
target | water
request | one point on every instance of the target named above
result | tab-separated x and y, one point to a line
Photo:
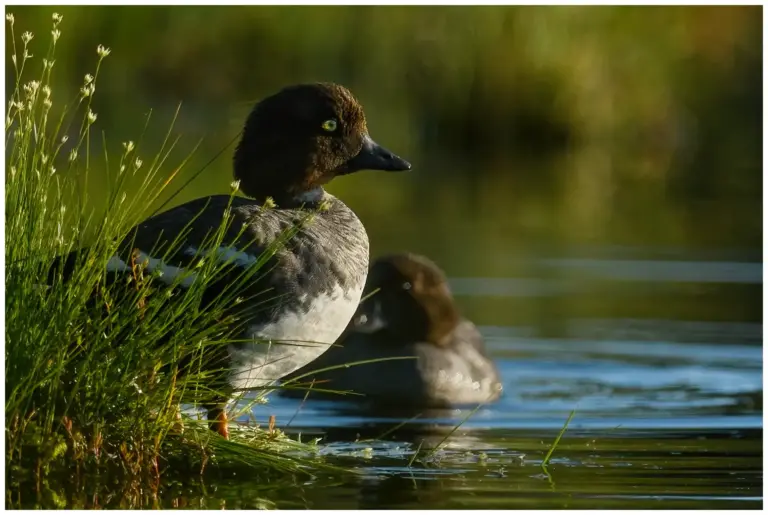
668	413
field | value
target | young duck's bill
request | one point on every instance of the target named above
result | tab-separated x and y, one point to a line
369	317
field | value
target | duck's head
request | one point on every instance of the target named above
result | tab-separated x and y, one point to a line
301	138
409	298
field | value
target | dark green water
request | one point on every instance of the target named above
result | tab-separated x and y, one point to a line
486	469
668	415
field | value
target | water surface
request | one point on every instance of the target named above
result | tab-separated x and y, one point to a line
668	412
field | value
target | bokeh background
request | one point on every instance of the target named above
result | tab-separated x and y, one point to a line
570	163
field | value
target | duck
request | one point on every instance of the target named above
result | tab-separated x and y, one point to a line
431	356
293	143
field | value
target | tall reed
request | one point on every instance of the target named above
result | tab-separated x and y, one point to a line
97	365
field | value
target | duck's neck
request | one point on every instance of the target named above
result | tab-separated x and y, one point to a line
313	196
442	316
307	199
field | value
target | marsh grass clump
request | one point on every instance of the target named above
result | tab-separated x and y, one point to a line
97	364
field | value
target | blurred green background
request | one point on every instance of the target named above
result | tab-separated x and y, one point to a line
534	132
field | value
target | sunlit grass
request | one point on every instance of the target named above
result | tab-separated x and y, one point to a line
97	366
554	445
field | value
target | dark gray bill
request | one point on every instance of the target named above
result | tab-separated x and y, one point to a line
375	157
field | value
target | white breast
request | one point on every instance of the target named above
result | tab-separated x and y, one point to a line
282	346
293	340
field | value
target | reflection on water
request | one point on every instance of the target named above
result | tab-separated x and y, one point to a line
668	411
634	384
666	271
629	470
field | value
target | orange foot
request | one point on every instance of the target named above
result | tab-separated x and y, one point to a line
219	423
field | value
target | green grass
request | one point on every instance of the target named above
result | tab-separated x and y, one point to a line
552	448
96	370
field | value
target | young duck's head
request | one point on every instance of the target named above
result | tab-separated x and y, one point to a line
303	136
409	299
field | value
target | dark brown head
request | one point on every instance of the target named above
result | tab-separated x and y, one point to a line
413	301
302	137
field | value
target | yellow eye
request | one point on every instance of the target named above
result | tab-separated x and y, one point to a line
329	125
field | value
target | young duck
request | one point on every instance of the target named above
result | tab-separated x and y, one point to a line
293	143
408	312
